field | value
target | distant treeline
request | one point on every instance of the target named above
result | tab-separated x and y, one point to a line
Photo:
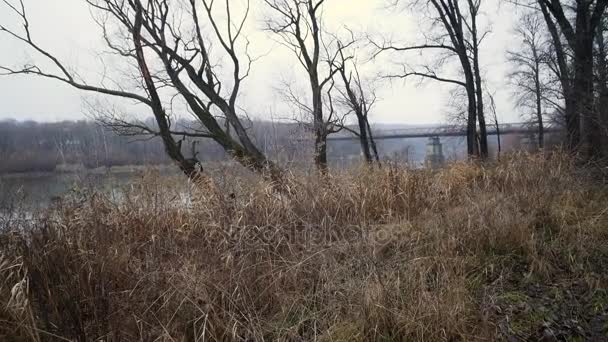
33	146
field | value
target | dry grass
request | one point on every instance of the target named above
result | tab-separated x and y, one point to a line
390	254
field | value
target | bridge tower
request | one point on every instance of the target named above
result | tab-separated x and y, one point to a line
434	153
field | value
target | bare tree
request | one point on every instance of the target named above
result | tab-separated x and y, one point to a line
494	113
359	101
298	24
476	38
171	51
456	36
529	63
577	23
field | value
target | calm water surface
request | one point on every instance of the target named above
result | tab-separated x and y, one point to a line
36	191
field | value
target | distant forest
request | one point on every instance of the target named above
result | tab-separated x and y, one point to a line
31	146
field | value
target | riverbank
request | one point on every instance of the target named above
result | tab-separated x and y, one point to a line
516	250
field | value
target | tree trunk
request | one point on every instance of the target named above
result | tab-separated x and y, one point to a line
588	128
472	141
602	87
498	138
365	148
483	135
570	116
173	148
582	121
372	141
472	145
539	108
321	152
320	157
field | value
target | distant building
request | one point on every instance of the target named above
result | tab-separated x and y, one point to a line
434	153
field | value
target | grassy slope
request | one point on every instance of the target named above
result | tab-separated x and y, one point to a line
512	251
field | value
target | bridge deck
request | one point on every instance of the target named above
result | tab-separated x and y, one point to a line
439	132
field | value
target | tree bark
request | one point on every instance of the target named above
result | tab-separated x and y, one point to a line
583	85
602	86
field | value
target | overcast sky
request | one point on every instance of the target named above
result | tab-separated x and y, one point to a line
65	27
